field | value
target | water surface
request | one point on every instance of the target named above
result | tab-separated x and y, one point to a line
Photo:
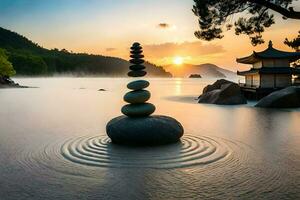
53	145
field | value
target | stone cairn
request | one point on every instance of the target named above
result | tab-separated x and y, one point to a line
136	126
138	97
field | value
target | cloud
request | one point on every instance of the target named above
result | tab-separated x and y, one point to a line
163	25
111	49
185	49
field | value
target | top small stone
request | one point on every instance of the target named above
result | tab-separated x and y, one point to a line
136	48
136	44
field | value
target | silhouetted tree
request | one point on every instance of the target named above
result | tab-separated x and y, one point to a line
214	15
295	43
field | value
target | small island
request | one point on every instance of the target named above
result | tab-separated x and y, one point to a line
195	76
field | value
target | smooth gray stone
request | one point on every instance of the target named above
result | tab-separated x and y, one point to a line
137	67
137	73
137	56
153	130
138	85
136	51
137	61
138	110
138	96
137	48
285	98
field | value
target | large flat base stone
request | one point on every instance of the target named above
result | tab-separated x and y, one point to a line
152	130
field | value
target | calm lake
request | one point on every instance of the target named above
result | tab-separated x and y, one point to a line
53	145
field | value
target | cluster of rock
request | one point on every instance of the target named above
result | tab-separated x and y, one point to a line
285	98
222	92
6	82
136	126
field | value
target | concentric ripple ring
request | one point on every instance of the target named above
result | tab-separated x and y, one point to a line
98	151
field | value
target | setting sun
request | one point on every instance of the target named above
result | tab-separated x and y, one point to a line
178	60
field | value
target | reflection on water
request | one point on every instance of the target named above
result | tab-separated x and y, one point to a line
178	84
53	145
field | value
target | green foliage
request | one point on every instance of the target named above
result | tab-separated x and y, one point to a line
30	59
28	64
6	68
215	15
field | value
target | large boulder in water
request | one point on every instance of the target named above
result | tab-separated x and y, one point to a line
141	131
222	92
216	85
285	98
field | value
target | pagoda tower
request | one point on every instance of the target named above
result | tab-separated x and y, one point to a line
271	70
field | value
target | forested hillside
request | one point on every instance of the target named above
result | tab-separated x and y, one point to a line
30	59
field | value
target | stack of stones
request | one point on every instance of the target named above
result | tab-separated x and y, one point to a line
138	97
136	126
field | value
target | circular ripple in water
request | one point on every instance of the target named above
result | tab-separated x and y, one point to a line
221	168
98	151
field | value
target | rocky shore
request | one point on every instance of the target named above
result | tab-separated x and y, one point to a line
224	92
6	82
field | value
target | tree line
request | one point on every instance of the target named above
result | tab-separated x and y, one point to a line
30	59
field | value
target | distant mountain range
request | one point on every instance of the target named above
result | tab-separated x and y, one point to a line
30	59
205	70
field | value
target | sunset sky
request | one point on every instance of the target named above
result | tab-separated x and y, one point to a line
164	27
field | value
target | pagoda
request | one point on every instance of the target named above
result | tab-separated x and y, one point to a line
271	70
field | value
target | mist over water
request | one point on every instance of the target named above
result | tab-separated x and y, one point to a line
53	145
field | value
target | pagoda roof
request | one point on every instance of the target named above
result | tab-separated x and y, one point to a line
269	53
271	70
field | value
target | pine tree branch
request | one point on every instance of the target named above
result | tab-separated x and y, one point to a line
288	13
